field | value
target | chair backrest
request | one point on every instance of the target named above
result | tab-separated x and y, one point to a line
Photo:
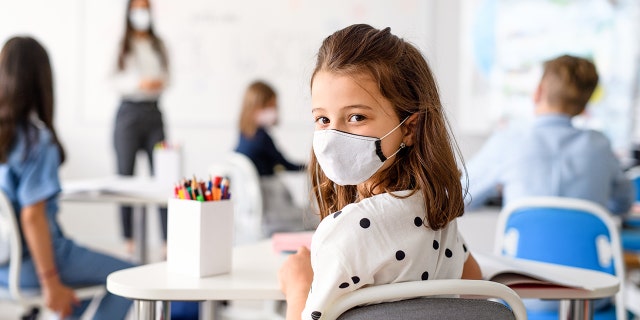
565	231
11	237
634	175
245	194
435	307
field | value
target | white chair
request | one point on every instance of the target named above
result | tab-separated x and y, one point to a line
565	231
438	304
29	298
245	194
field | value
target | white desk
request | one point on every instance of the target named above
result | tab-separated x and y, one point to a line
125	190
254	276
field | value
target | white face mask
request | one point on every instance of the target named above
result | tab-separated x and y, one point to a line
140	19
350	159
267	117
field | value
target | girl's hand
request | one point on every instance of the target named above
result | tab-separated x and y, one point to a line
59	298
296	274
151	84
295	281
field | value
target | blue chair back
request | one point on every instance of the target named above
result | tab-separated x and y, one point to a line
561	235
564	231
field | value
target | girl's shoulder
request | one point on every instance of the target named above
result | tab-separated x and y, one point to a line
379	209
30	142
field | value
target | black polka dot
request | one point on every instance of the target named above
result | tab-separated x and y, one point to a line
343	285
448	253
316	315
418	221
425	275
335	215
464	247
436	245
365	223
355	280
399	255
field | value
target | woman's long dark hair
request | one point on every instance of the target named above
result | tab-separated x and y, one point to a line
26	89
125	43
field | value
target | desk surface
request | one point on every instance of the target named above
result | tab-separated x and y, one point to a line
254	276
117	189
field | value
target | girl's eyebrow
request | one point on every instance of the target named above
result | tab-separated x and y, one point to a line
355	106
358	106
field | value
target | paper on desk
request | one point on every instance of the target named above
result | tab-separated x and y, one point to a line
521	272
117	185
291	241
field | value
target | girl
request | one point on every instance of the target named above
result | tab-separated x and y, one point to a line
30	154
259	113
142	77
384	174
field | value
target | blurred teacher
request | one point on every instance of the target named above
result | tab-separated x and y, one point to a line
142	75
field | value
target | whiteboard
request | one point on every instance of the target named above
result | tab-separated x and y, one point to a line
505	43
217	47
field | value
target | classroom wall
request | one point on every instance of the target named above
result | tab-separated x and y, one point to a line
216	48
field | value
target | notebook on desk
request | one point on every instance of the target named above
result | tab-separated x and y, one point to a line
290	242
126	186
529	273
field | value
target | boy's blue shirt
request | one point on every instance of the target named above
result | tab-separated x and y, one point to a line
549	158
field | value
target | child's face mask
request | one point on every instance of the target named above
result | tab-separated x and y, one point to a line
267	117
350	159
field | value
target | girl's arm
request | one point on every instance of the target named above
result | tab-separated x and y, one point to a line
295	281
471	269
35	227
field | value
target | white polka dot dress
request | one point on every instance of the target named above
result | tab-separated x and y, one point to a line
379	240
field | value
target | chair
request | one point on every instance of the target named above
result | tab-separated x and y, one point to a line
432	299
564	231
631	224
29	298
245	194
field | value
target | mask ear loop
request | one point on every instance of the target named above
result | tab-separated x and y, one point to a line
394	129
379	146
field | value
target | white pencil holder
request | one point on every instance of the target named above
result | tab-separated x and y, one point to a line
167	164
200	237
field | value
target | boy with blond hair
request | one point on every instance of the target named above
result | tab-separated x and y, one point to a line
552	157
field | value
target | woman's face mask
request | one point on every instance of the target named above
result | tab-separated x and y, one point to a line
350	159
140	19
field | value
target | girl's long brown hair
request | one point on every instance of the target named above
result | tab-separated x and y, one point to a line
26	89
256	97
404	78
125	43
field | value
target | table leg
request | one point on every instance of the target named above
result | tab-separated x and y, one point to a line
210	310
140	233
145	309
165	313
576	310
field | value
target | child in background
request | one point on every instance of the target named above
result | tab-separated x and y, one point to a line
30	154
259	114
384	175
551	157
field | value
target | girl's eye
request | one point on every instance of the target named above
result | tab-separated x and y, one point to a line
322	120
356	118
